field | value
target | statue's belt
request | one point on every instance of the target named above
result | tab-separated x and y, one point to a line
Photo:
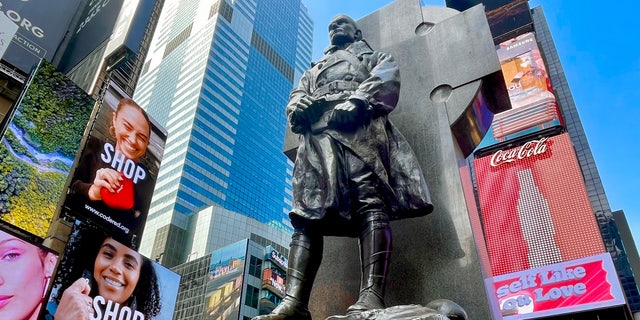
333	88
336	86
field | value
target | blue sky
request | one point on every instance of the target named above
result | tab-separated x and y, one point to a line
596	43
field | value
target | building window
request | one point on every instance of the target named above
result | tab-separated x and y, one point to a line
251	299
255	267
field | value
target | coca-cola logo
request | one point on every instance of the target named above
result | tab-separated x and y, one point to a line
529	149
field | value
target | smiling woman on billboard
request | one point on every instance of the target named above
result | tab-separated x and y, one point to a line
25	271
101	278
112	184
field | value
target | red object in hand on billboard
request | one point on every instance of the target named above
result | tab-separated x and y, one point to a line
122	198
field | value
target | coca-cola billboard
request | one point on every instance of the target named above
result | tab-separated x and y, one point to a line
535	210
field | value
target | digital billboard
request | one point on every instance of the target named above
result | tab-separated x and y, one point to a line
533	103
25	271
274	280
508	16
39	146
42	25
276	257
99	277
115	176
96	25
224	282
566	287
534	206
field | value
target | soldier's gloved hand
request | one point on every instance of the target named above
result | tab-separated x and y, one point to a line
306	111
345	113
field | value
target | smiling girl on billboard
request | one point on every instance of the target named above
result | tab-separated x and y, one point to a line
103	279
112	185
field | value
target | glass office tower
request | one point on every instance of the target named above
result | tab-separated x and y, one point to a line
218	77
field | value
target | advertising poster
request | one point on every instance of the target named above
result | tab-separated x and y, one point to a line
273	279
224	282
534	206
116	173
572	286
534	106
42	25
25	273
38	148
100	277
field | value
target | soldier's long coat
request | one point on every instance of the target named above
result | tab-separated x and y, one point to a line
321	193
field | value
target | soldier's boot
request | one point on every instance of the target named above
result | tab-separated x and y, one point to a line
375	251
305	256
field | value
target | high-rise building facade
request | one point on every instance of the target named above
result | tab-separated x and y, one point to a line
217	77
238	281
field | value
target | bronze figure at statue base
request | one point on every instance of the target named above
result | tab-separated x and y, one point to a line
440	309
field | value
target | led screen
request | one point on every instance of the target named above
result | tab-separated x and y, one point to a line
565	287
224	282
533	103
39	146
100	276
534	206
42	26
25	270
114	180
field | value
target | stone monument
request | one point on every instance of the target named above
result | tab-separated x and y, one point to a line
451	87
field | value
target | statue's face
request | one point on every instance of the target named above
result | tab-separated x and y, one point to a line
342	30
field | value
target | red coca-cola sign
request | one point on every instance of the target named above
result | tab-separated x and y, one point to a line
534	206
529	149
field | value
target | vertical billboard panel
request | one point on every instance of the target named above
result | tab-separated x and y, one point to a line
42	25
96	25
534	206
115	176
25	271
273	280
506	17
102	278
224	284
38	148
533	103
561	288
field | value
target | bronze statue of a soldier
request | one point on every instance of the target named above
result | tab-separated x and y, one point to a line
354	171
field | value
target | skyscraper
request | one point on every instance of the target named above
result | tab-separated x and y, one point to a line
592	180
217	77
